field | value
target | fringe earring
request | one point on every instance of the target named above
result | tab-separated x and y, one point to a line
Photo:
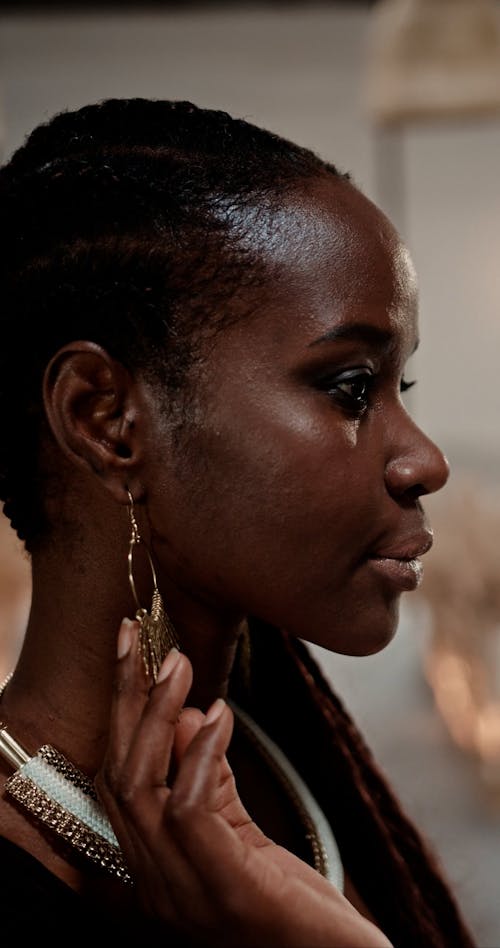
157	634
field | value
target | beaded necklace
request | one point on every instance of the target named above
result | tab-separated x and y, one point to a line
64	800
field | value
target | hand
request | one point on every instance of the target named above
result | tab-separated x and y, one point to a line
198	861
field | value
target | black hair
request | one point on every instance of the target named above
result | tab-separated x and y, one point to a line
117	229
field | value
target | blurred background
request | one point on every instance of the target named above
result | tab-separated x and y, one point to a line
405	95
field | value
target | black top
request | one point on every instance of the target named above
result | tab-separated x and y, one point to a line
35	904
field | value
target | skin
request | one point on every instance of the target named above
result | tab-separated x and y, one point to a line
283	498
279	453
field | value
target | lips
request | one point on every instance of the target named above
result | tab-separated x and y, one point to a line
400	565
409	548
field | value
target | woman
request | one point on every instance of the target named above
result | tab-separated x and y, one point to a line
205	330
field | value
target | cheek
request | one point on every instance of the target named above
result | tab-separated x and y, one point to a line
274	521
287	497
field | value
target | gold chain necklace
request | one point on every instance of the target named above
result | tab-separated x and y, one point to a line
325	854
318	850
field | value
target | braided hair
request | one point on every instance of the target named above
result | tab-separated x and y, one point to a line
117	229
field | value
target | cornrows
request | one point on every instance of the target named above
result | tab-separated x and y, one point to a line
114	229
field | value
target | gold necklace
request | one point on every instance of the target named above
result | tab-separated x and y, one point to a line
63	799
324	851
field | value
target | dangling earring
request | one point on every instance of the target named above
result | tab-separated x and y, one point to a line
157	634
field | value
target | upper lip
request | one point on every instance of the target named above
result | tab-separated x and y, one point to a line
409	548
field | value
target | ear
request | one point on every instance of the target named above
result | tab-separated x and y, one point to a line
92	406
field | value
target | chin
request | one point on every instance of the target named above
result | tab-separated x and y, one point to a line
360	635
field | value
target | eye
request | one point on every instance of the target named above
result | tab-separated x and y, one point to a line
404	386
350	389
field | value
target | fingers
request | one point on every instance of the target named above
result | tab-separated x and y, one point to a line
150	749
198	778
143	719
144	724
142	727
131	690
189	723
132	784
226	799
129	698
191	813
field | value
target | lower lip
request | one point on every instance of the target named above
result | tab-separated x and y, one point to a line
405	574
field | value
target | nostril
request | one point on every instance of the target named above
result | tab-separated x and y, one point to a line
123	451
418	490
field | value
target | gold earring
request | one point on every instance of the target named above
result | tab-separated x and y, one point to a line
157	634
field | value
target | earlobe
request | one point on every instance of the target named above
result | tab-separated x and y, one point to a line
92	411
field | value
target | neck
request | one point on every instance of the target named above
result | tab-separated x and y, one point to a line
61	690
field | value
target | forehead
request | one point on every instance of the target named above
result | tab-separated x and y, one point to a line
333	257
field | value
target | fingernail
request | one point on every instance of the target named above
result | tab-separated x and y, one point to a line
125	637
168	664
215	710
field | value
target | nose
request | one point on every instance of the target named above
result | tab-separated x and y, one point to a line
418	467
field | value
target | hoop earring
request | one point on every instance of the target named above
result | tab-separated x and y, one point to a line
157	634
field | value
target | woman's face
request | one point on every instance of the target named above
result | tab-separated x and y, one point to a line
294	493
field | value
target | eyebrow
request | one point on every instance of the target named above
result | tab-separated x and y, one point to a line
360	332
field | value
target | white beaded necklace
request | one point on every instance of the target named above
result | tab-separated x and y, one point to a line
63	799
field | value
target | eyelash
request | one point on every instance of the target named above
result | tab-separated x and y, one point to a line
355	403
